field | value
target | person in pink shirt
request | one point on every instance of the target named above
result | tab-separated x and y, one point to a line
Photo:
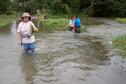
25	34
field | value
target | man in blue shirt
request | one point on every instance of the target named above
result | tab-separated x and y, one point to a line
77	24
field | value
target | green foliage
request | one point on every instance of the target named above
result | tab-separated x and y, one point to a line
55	22
120	43
91	7
121	20
65	6
5	6
100	7
27	5
6	19
110	8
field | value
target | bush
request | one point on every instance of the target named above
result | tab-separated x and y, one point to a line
54	24
121	20
6	19
58	22
120	43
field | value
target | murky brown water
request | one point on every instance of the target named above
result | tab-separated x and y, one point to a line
64	57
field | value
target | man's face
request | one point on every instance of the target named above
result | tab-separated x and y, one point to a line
75	17
25	19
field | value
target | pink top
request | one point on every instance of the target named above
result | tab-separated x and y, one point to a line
25	28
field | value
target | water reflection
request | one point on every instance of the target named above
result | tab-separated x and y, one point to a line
13	28
29	67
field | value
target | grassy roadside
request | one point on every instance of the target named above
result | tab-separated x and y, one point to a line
6	19
120	43
121	20
56	23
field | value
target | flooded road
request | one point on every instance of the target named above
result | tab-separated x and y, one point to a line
64	57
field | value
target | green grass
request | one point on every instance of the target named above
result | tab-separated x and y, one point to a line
120	43
58	22
55	24
121	20
6	19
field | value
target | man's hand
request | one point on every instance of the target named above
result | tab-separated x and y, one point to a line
18	37
19	43
36	29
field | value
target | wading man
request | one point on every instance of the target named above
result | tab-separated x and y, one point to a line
25	34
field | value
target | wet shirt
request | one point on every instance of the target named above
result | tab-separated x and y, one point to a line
71	23
24	28
77	23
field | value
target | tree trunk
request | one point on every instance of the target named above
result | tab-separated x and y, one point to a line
92	8
42	13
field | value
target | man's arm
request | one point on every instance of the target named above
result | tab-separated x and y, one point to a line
18	38
34	27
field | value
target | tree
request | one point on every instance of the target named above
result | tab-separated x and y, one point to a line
5	6
90	7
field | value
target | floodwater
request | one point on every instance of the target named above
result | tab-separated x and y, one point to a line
63	57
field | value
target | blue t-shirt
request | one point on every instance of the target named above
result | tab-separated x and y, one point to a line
77	23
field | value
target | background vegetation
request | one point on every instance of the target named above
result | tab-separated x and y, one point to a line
121	20
120	44
6	19
106	8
